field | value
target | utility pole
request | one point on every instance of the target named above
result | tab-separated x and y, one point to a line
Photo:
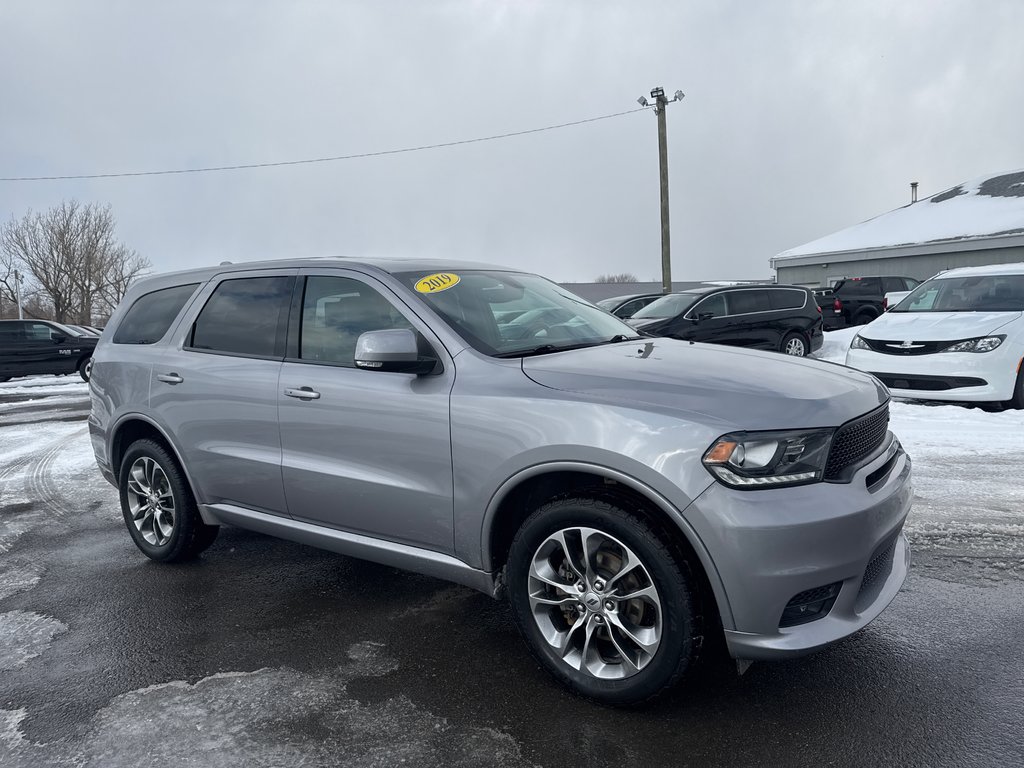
17	291
660	103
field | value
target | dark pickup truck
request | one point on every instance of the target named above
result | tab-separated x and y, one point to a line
33	347
858	300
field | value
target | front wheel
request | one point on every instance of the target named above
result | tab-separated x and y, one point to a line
85	369
1017	401
158	506
794	344
602	600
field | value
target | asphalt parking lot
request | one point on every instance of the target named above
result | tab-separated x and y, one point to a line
268	653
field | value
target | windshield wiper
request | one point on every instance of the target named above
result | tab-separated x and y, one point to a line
545	349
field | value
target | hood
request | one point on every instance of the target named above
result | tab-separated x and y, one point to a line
750	390
936	326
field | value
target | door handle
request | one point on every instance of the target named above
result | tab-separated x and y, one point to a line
169	378
303	393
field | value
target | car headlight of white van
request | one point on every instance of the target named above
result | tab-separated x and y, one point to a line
983	344
754	460
858	343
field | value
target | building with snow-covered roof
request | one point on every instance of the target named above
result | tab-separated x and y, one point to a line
973	224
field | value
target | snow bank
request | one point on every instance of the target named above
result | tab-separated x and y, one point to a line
836	344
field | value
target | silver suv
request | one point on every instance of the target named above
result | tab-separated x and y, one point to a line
628	494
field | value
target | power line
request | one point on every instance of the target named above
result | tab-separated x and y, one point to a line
310	161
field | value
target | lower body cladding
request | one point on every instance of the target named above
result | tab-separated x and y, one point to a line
805	566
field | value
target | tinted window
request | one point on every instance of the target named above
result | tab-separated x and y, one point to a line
911	283
244	316
152	314
787	298
42	332
859	287
335	311
712	305
744	302
11	332
892	284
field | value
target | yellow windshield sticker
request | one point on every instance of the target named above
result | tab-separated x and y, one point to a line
441	281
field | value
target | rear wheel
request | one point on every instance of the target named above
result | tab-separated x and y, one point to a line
603	602
794	344
85	368
863	318
158	506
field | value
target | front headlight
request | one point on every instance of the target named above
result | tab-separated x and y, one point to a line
984	344
858	343
753	460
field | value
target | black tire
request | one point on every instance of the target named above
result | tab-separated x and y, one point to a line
682	625
85	368
790	340
863	318
4	378
189	535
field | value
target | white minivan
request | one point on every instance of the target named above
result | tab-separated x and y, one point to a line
958	337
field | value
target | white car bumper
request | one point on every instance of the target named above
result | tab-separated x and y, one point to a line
956	376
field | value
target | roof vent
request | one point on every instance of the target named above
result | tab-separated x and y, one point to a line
913	192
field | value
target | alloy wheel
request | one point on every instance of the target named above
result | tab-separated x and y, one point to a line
151	501
595	603
795	346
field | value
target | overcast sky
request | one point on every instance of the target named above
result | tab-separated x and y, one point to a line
800	118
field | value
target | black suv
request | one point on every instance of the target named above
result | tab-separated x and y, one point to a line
859	300
781	318
30	347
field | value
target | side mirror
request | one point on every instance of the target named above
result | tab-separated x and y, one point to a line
58	338
700	318
394	351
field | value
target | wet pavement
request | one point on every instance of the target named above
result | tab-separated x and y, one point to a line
268	653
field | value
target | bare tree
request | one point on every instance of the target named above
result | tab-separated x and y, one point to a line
73	256
622	277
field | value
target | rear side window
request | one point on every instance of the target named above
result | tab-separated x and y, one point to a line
787	298
892	284
245	317
151	315
745	302
11	333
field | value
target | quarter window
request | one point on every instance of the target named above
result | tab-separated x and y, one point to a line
151	315
787	298
245	317
335	311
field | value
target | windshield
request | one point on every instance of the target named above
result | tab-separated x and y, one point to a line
976	293
667	306
505	314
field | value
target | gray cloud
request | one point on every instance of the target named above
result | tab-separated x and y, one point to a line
800	118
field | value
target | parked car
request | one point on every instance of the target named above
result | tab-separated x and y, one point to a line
859	300
629	495
958	336
83	330
626	306
780	318
37	347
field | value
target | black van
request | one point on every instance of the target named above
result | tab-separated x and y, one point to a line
782	318
31	347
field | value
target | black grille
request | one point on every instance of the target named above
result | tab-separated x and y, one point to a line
810	605
855	440
880	564
925	383
890	347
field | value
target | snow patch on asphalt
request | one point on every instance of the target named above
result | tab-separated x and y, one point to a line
25	635
269	717
18	576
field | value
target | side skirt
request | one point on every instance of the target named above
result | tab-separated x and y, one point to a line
402	556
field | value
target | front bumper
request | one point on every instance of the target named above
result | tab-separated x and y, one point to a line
940	376
769	546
